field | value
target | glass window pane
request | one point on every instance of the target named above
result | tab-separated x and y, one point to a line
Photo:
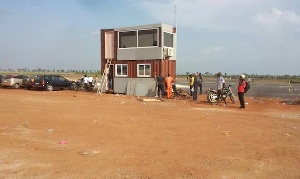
168	39
119	70
141	70
124	70
147	38
61	78
147	70
144	70
127	39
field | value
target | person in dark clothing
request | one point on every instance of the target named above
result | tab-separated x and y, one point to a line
199	78
161	85
196	86
174	89
110	80
200	82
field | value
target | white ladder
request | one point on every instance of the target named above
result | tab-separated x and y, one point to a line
104	75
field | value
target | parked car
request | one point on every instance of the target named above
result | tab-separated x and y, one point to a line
51	82
0	79
12	81
28	82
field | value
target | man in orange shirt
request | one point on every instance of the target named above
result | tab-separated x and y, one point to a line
169	81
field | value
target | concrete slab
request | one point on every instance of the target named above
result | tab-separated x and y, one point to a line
150	100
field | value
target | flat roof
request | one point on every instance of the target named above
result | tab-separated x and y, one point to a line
147	26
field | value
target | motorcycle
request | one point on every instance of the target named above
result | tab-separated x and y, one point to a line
77	85
212	94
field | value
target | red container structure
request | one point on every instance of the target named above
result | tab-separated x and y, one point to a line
137	55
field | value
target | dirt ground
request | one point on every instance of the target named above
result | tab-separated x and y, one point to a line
68	134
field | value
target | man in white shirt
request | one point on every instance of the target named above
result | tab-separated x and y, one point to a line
220	86
85	82
90	80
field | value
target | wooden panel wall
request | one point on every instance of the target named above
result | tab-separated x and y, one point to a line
132	66
164	67
169	67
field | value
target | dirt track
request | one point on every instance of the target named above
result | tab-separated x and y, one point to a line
66	134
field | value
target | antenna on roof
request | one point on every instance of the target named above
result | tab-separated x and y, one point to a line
175	9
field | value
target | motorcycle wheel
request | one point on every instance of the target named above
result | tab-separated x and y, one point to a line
232	98
73	86
80	87
212	98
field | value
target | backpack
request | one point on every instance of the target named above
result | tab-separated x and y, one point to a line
247	87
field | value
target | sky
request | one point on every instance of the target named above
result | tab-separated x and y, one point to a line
228	36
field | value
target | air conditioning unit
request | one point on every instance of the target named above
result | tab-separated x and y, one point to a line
170	52
165	52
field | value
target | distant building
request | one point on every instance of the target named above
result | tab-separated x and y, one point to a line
138	54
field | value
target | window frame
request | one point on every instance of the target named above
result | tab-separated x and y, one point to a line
157	37
164	39
136	34
116	71
137	38
60	78
138	74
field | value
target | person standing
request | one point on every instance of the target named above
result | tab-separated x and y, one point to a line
220	86
174	89
200	82
160	86
241	90
90	79
85	82
169	81
110	81
156	85
196	86
95	80
191	78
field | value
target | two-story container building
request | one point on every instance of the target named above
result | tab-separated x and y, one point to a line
137	55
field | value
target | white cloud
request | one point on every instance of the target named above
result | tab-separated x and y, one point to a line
278	16
278	22
253	32
212	50
212	15
278	28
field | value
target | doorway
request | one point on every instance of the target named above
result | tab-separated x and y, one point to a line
111	78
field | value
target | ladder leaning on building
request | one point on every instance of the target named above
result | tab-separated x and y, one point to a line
104	76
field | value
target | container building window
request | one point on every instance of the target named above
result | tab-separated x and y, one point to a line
121	70
127	39
138	38
144	70
147	38
168	40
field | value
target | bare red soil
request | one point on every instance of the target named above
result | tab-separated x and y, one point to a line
67	134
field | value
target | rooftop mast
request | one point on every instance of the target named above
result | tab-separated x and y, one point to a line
175	9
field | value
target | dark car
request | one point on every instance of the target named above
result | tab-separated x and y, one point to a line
51	82
28	82
12	81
